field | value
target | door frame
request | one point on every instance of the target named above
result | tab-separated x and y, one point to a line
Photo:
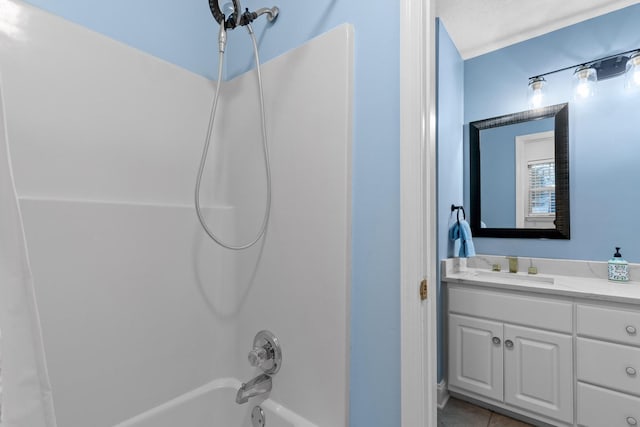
418	212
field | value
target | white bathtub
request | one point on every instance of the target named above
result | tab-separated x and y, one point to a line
214	405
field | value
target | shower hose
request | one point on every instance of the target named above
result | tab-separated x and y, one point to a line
207	142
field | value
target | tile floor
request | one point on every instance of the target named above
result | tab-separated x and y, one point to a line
458	413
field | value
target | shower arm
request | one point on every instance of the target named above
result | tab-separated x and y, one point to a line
239	19
271	12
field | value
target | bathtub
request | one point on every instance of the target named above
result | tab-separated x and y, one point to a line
214	405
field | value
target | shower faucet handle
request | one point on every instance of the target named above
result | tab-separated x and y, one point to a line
266	353
258	356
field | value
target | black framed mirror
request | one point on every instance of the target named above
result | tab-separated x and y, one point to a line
519	174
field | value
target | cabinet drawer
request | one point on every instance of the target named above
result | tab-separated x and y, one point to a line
610	365
518	309
609	324
598	407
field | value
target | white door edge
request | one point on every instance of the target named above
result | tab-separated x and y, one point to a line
418	213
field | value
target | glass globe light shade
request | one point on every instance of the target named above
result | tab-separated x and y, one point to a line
536	92
632	73
584	82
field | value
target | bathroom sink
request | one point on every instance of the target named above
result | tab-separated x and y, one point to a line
515	277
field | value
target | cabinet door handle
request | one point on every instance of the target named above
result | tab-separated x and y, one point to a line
632	421
496	340
631	330
631	371
508	344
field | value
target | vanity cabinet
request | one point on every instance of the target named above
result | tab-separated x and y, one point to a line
514	350
608	366
560	350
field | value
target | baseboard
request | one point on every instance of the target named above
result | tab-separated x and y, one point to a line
443	394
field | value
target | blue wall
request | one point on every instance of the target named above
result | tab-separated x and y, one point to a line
180	32
603	147
183	32
449	148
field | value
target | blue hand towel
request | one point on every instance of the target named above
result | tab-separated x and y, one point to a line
461	230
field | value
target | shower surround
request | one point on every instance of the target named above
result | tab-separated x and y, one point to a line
137	305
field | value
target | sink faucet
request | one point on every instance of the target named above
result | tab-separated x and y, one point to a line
257	386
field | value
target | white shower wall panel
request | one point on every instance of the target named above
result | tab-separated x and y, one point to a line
97	119
300	289
121	290
105	143
137	306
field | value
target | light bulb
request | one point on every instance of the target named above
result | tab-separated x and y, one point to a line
583	90
584	82
536	91
536	99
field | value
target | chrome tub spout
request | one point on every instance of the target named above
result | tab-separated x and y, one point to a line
257	386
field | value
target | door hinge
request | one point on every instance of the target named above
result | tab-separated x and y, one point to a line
424	293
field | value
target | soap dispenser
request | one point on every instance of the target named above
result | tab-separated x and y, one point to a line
618	268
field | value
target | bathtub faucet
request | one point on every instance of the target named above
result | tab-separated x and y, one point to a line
257	386
266	355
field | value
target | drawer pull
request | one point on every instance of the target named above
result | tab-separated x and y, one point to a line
496	340
508	343
632	421
631	371
631	330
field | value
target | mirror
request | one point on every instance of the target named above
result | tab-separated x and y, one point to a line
519	172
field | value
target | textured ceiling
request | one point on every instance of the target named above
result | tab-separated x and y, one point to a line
480	26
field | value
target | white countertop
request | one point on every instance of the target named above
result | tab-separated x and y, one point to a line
457	270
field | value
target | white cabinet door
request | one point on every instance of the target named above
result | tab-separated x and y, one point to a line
538	371
475	355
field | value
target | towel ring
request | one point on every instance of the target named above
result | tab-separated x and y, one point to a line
458	209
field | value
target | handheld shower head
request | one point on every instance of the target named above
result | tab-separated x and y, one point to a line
222	38
219	16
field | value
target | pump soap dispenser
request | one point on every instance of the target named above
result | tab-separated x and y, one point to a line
618	268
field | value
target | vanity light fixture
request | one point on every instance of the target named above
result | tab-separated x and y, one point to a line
587	74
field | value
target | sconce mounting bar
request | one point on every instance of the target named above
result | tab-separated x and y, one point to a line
621	56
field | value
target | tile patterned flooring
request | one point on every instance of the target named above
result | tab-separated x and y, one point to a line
458	413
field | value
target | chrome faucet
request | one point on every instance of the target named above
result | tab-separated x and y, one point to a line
257	386
266	355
